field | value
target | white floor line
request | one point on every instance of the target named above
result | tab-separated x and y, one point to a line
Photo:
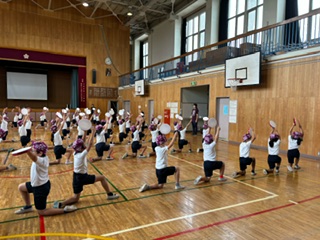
293	202
236	180
186	216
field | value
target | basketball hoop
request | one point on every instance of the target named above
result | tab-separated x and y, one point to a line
233	82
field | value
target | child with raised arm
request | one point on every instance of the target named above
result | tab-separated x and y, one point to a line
56	138
182	138
205	130
162	169
245	159
24	139
294	142
274	160
39	184
80	173
101	145
209	156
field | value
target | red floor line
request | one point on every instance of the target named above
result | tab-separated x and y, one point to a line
222	222
42	227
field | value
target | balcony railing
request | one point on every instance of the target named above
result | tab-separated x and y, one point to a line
290	35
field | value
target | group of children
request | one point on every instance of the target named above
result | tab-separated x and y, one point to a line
40	183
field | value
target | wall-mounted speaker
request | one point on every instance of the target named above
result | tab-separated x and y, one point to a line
94	76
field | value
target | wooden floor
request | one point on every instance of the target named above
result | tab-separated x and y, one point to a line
284	206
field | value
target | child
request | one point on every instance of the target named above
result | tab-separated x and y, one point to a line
274	160
24	139
294	142
4	126
245	158
136	145
154	134
39	184
80	173
209	156
101	145
128	125
43	119
162	169
59	150
205	131
182	141
122	134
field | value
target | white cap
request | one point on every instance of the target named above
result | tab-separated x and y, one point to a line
205	118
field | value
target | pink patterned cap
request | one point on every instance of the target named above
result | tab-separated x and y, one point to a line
78	145
40	147
208	139
161	139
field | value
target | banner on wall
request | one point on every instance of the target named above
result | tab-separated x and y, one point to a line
167	116
82	87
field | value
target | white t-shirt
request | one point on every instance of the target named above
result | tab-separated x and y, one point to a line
183	133
64	125
4	125
109	123
275	149
80	162
136	136
245	149
22	131
15	118
209	151
28	124
39	171
100	137
128	124
42	117
122	127
154	135
292	143
162	157
57	140
80	131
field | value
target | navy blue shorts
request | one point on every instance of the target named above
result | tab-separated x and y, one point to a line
182	142
80	179
244	162
135	146
272	160
162	174
40	194
102	147
209	166
59	150
292	154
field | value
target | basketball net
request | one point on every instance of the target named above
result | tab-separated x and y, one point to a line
233	82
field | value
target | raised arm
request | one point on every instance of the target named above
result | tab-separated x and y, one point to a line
90	141
172	140
216	137
253	135
290	130
32	156
188	123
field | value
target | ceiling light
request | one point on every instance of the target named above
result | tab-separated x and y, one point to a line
129	14
85	4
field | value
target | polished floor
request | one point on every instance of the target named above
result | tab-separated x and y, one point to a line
283	206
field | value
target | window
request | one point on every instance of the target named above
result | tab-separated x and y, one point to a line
145	62
195	34
309	27
244	16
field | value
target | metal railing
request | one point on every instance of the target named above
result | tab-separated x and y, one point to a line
290	35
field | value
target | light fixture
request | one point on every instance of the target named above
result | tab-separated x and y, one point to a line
85	4
129	14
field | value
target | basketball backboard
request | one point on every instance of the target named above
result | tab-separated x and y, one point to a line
245	67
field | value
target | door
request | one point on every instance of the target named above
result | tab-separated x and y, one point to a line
223	117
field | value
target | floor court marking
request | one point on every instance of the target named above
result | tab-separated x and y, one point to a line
236	180
90	236
187	216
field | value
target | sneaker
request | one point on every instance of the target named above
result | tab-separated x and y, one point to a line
198	150
125	155
142	156
57	204
70	208
297	167
179	187
289	168
144	187
222	179
109	158
173	151
111	144
277	170
265	171
24	210
197	180
129	142
148	155
11	167
69	162
190	151
235	175
253	174
113	196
